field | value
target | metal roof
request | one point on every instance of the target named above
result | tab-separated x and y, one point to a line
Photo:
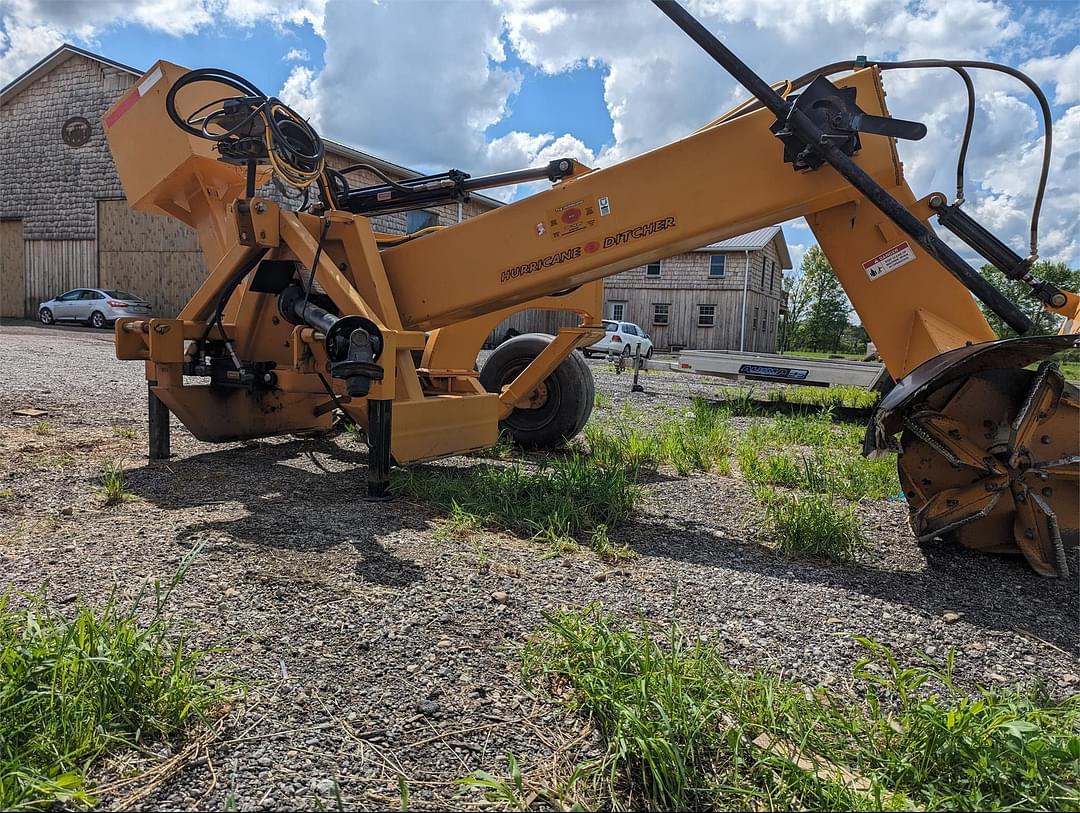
754	241
67	51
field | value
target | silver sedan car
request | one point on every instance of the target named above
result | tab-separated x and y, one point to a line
98	306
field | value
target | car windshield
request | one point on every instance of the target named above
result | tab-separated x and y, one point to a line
122	295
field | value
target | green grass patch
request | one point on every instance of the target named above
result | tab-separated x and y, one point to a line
814	525
567	497
744	399
683	730
811	453
126	432
840	396
73	687
824	354
699	439
42	427
839	472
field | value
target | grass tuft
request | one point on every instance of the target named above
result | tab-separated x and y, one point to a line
683	730
701	439
813	525
127	432
813	454
42	427
112	483
566	498
839	396
73	688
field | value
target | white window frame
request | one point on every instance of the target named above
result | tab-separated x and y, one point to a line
723	266
659	265
701	315
656	313
617	315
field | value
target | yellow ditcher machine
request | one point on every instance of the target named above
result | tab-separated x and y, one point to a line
311	311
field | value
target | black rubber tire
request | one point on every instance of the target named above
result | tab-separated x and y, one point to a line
649	354
97	319
627	351
46	317
571	392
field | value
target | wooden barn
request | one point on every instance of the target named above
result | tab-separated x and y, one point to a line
64	222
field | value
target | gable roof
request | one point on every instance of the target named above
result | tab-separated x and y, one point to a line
54	60
755	241
67	51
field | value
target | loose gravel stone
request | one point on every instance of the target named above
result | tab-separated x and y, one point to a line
367	641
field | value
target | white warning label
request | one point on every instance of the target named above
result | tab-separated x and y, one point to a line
888	261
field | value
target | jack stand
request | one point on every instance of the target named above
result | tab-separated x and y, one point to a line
636	387
379	419
158	415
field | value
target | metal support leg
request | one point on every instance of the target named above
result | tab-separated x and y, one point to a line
379	417
159	425
637	371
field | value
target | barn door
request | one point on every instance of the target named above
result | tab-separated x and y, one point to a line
12	271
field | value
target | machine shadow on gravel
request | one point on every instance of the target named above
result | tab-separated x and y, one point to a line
287	507
993	592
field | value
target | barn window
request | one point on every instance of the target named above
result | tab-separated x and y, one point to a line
660	313
717	263
706	315
763	261
652	269
755	317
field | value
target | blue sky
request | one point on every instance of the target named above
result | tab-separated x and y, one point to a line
490	86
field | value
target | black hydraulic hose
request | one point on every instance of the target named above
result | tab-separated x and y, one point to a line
801	124
1044	106
968	125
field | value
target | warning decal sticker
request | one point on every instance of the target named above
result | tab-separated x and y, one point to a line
571	218
888	261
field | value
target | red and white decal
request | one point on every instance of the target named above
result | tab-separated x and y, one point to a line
888	261
137	93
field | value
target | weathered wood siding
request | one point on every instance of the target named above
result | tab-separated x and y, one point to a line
55	266
684	284
12	270
51	186
156	257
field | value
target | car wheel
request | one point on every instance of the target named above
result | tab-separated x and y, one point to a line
626	351
46	316
648	355
568	393
97	319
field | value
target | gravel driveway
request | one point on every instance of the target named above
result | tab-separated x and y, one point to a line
372	648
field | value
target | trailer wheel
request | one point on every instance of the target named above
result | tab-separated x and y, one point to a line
565	398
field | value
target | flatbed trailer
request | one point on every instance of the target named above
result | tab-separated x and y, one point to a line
741	366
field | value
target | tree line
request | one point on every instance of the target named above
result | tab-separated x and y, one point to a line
819	312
